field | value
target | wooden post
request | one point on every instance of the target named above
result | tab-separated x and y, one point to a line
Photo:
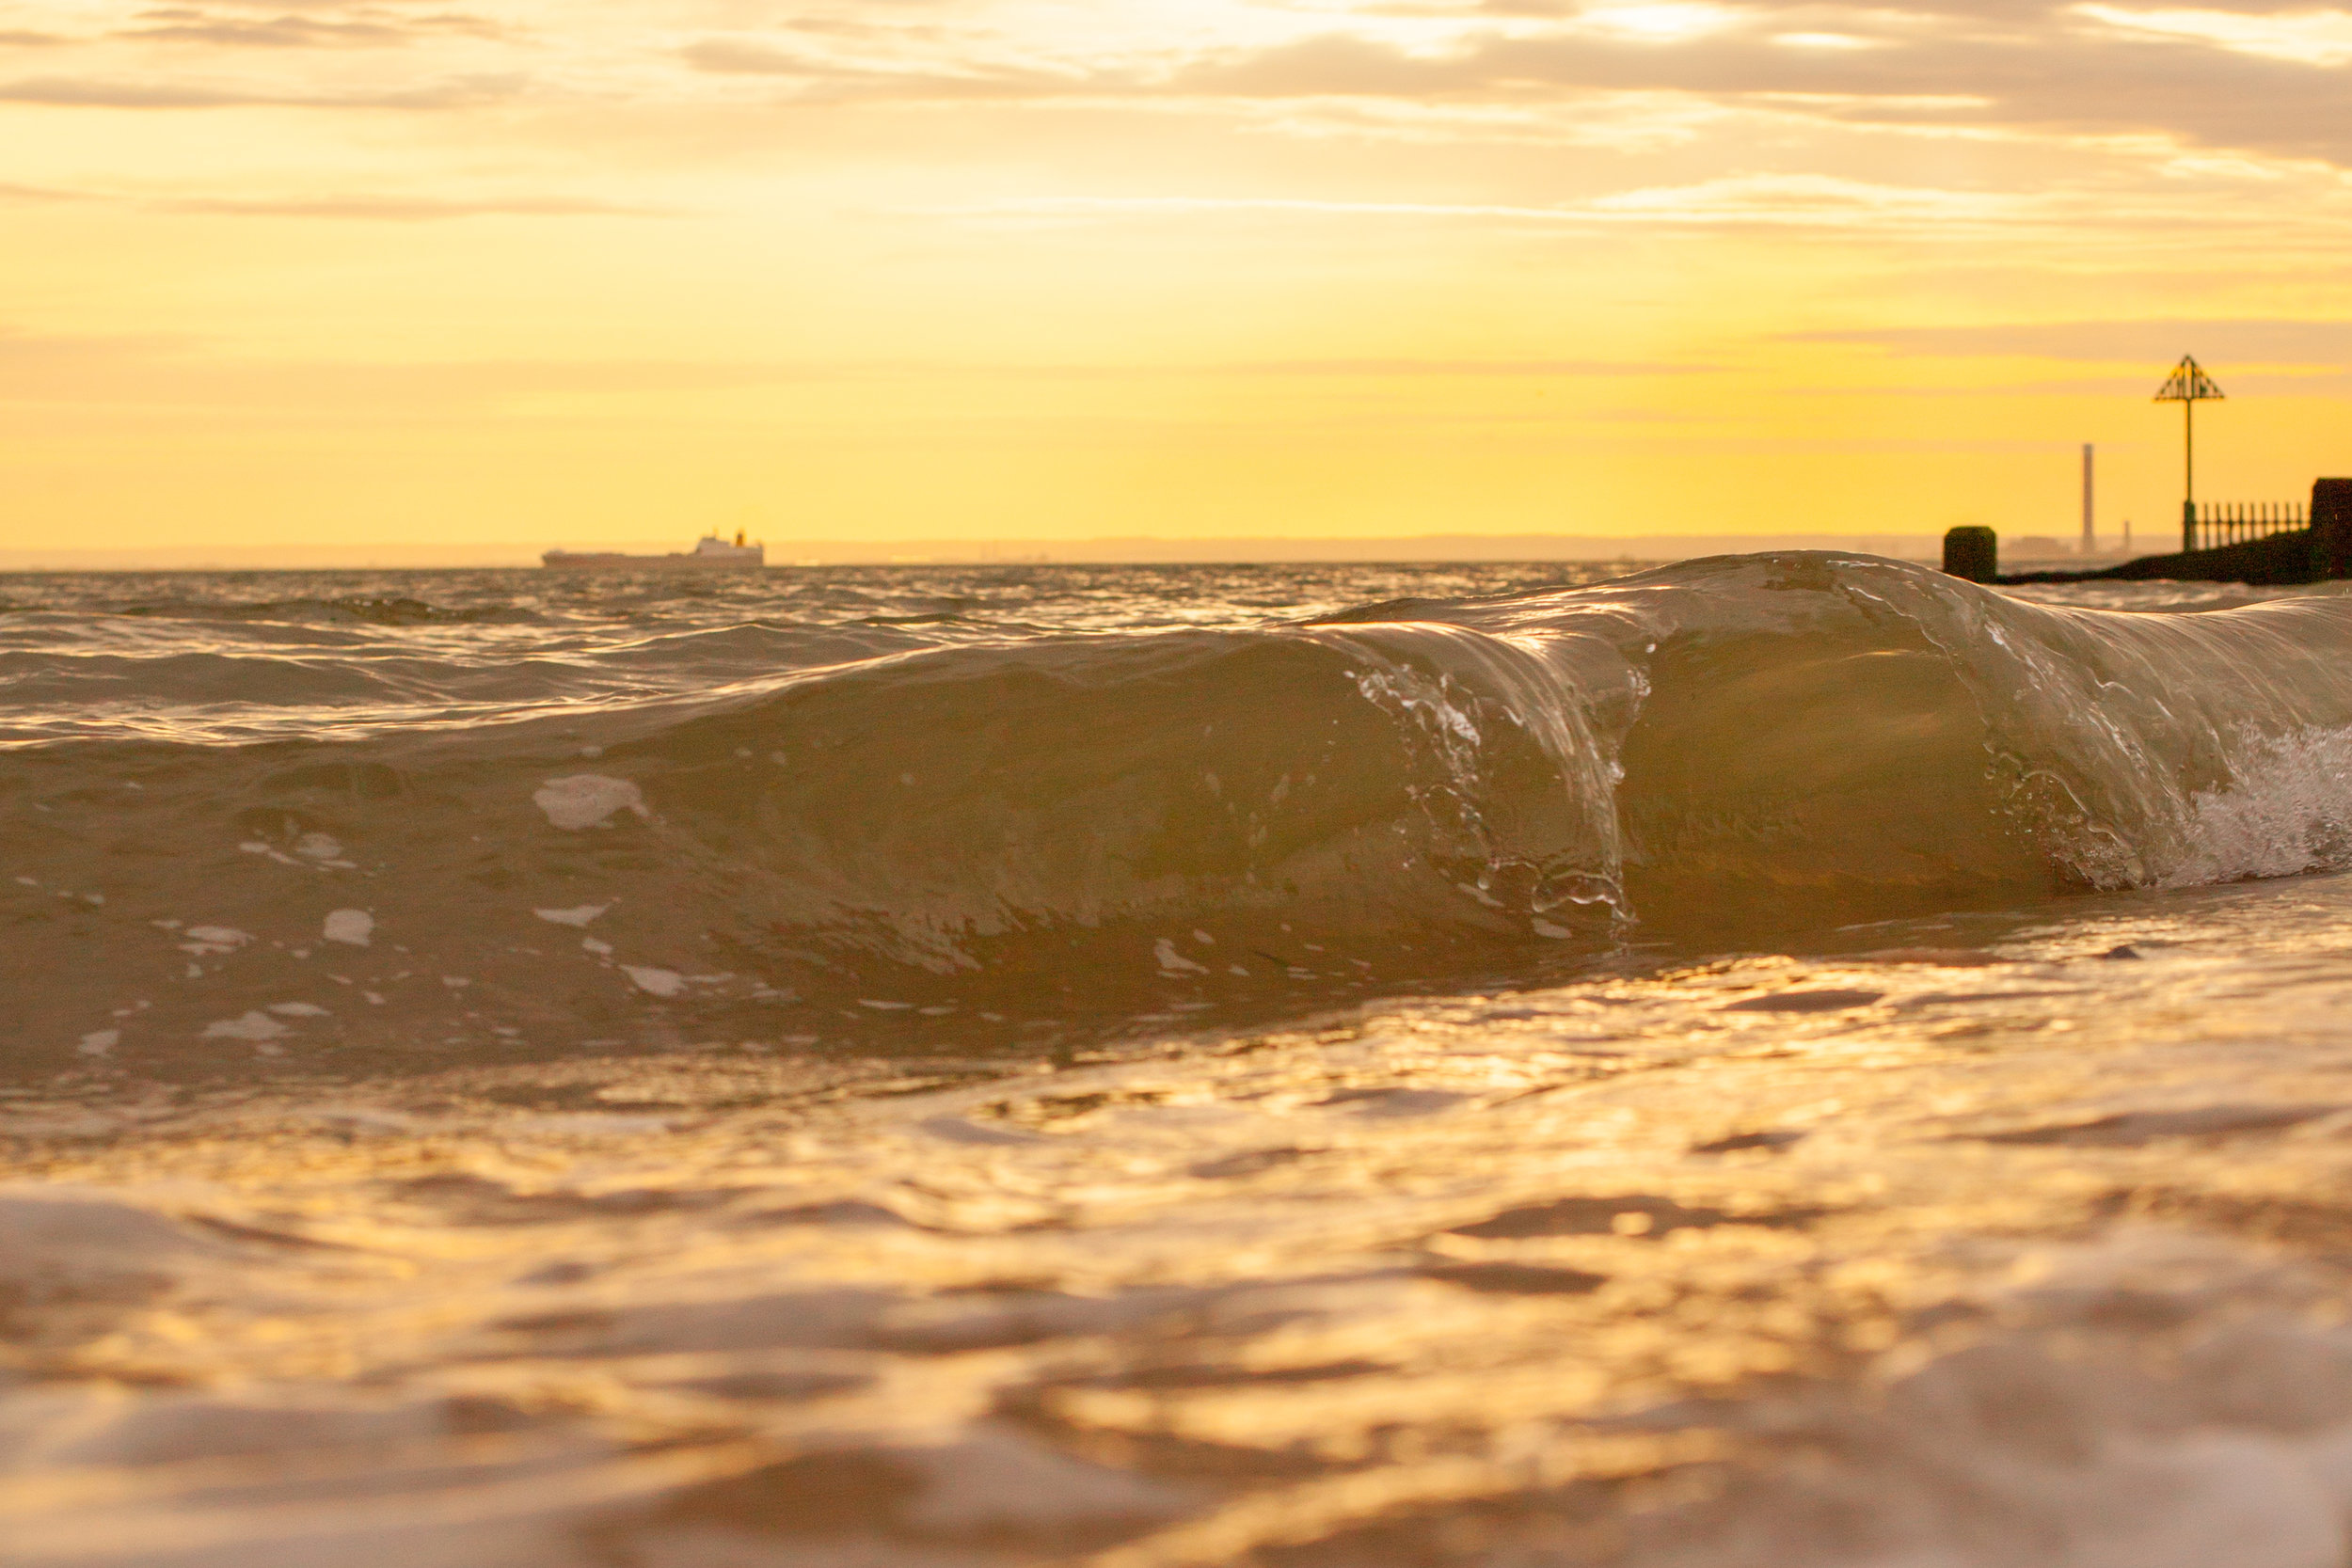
2331	528
1972	553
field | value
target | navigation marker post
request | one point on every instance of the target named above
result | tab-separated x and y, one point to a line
2188	386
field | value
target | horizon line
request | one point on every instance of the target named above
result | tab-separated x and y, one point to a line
1109	550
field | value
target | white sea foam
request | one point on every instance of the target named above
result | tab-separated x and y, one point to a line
214	938
1173	962
254	1025
2287	809
354	926
581	914
581	800
658	982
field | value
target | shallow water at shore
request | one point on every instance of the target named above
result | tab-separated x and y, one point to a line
1788	1061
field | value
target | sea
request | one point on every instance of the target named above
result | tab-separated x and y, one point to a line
1761	1062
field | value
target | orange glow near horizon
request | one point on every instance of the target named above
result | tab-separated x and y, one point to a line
374	272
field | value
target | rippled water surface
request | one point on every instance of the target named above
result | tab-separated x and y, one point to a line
1776	1060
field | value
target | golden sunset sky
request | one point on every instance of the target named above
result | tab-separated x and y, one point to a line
463	271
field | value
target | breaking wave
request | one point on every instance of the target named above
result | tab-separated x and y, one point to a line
840	833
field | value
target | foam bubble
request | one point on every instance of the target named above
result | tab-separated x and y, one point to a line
254	1025
580	915
350	926
1173	962
661	982
581	800
214	938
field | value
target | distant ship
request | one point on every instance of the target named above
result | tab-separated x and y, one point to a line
708	554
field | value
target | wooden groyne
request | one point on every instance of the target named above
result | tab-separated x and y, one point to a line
2316	553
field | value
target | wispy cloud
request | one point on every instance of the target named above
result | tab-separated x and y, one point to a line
1079	208
1332	370
119	94
405	209
746	58
359	27
392	207
2081	71
1813	201
2271	342
2313	39
164	370
2267	81
1790	200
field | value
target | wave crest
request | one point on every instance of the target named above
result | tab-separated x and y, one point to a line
1058	833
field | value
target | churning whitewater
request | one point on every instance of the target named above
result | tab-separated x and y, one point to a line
1777	1059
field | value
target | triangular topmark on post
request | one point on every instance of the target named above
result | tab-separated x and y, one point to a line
2188	383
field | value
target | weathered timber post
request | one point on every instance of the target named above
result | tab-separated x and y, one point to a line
2331	528
1973	553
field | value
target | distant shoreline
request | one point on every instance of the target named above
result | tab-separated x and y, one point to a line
1421	549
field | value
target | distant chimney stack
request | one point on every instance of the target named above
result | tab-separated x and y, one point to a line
2090	532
